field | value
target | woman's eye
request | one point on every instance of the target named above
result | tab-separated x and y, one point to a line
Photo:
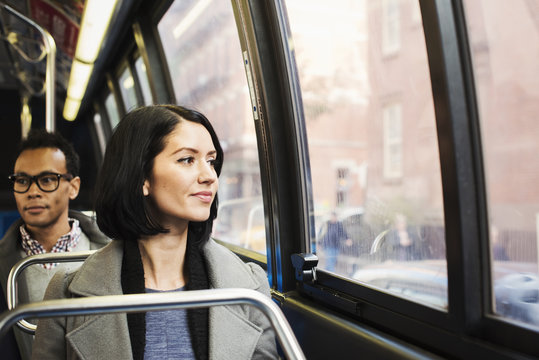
186	160
212	162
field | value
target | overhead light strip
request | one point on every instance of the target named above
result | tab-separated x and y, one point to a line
94	25
79	81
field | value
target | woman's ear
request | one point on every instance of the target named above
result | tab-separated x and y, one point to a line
146	188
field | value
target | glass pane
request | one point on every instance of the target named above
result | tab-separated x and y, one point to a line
505	47
206	65
372	143
112	111
100	133
127	89
143	79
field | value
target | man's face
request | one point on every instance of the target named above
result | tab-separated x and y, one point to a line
41	209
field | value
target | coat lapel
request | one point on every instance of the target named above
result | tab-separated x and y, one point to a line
231	334
10	250
113	341
108	262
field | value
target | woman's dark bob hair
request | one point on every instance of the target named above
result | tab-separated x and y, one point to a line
121	208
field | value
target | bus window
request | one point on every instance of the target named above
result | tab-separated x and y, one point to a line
142	76
507	82
373	146
112	110
127	89
205	62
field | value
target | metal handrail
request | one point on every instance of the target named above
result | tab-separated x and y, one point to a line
50	77
16	270
161	301
377	243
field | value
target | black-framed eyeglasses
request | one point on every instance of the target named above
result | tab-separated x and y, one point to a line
47	182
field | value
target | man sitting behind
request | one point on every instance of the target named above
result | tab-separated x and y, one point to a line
45	178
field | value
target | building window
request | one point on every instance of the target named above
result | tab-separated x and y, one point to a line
390	27
342	186
392	119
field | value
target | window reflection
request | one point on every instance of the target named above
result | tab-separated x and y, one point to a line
101	138
372	144
142	76
201	44
112	110
127	88
504	42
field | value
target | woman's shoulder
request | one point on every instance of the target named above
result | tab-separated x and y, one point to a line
98	275
227	270
57	287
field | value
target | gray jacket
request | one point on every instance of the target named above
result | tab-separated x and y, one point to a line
10	254
235	331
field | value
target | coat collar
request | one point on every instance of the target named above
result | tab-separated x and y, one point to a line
225	270
90	229
231	334
89	280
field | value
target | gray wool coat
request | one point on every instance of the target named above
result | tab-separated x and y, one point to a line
235	331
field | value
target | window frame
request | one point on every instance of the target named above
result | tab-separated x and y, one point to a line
265	30
489	327
126	63
120	71
281	136
136	76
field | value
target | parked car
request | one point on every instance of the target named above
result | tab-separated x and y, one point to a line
241	222
517	297
516	285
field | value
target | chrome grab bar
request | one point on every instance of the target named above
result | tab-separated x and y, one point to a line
50	75
16	270
161	301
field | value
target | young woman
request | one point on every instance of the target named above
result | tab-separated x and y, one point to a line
157	198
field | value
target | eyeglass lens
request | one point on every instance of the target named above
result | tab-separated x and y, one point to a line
46	182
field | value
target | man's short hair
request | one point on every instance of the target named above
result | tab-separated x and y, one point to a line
41	138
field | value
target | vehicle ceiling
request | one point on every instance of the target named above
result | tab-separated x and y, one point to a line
20	73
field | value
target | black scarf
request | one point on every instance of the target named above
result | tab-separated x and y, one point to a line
133	283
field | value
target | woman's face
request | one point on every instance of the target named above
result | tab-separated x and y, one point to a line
183	181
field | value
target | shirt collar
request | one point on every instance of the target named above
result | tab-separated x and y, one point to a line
65	243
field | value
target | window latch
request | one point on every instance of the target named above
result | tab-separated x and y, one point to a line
305	266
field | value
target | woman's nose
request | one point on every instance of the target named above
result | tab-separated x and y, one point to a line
207	173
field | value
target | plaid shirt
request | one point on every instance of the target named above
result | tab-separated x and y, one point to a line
65	243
